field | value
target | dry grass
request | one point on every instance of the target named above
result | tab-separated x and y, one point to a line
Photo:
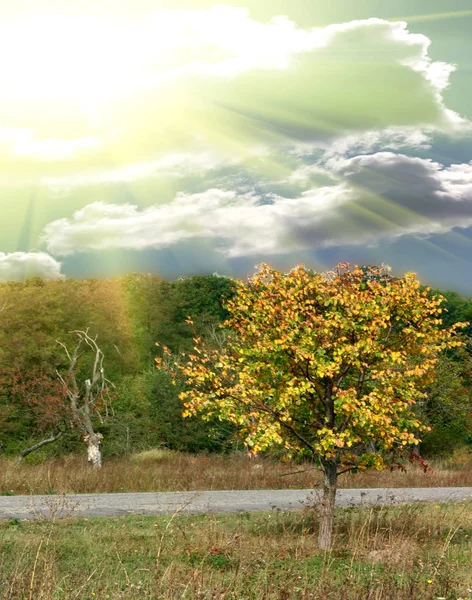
420	552
164	470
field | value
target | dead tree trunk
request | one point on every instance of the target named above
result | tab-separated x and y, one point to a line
326	508
85	397
94	452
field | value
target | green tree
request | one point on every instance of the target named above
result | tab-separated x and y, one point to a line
143	297
201	298
447	408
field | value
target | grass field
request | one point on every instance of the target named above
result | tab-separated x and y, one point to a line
163	470
410	552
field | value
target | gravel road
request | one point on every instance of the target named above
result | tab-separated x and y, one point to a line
113	505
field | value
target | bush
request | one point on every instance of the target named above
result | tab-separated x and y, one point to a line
154	455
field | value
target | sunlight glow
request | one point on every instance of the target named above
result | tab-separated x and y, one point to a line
93	60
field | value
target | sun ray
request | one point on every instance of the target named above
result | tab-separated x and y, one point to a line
441	16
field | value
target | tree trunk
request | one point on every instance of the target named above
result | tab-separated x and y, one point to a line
93	449
326	509
50	440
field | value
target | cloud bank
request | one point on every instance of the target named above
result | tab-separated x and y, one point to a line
378	196
17	266
243	138
213	78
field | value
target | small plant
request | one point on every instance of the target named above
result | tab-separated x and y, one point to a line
53	507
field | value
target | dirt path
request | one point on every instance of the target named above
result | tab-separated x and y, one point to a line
110	505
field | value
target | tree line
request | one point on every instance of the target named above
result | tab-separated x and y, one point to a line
117	322
47	330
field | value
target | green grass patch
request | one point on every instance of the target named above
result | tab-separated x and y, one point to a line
409	552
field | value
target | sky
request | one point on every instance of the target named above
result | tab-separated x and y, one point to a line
184	137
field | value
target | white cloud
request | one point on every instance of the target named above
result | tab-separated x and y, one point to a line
239	224
457	181
200	78
102	226
16	266
220	41
391	138
378	196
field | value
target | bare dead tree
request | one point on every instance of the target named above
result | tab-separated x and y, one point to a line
86	397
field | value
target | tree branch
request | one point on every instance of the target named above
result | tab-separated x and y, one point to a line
50	440
287	426
346	470
342	375
302	471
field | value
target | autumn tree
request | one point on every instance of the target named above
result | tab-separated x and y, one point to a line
326	365
42	400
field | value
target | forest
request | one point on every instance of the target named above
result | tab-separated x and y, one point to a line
137	406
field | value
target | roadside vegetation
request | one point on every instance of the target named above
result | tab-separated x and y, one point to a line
420	552
161	470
